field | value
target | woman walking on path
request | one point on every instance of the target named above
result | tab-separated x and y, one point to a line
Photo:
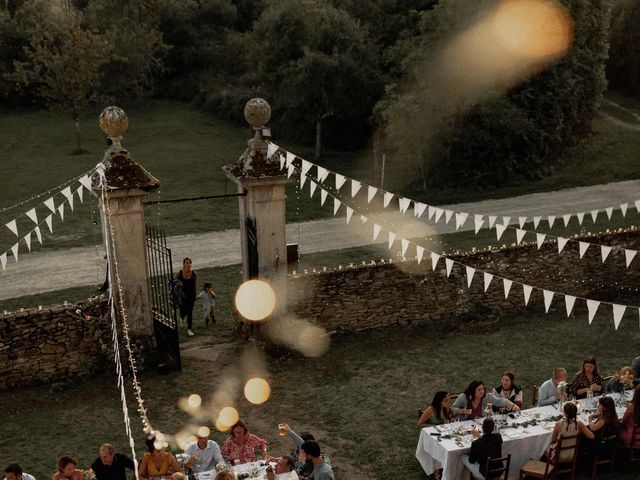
188	279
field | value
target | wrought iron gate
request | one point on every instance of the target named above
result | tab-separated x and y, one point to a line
252	248
165	324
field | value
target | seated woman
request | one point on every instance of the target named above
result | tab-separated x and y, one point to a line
240	446
621	381
568	429
631	418
604	423
67	469
508	389
586	379
158	463
438	412
473	402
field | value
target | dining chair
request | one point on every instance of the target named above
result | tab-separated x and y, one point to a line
552	467
605	455
496	468
534	396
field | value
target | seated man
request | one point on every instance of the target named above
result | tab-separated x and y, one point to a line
111	465
204	455
548	392
321	469
284	469
14	472
487	446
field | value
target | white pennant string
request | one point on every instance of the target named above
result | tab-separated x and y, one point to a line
500	230
439	212
336	206
33	215
536	222
580	217
548	297
478	221
618	312
592	306
49	221
623	209
628	256
519	235
432	211
470	272
387	198
461	217
594	215
12	225
86	182
376	231
38	234
69	194
14	250
609	211
349	213
492	220
637	203
271	149
371	192
569	301
418	209
582	246
527	293
312	188
61	211
561	243
290	157
566	218
540	239
419	253
3	261
283	161
506	221
392	238
355	188
303	179
80	192
323	196
551	219
404	204
605	251
447	215
507	287
405	245
323	173
522	221
340	179
27	240
290	170
449	265
434	260
487	280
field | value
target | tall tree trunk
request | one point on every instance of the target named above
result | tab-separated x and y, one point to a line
318	148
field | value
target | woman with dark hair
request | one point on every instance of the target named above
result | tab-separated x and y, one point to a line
438	412
188	279
473	402
586	379
158	463
631	417
604	423
508	389
67	469
240	446
568	429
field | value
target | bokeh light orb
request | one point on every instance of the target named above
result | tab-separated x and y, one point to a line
228	416
203	431
257	390
194	400
255	300
221	427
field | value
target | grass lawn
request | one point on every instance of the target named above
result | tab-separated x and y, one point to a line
359	399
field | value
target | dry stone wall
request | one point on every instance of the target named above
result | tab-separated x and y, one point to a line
402	293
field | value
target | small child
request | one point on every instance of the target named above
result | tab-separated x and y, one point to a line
208	298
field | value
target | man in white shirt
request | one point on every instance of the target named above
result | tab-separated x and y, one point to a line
548	392
204	455
284	470
14	472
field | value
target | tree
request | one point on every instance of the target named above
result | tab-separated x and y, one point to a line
64	65
623	67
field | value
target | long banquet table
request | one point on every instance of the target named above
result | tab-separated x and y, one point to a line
523	443
253	471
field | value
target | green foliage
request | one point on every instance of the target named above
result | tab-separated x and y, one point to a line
623	67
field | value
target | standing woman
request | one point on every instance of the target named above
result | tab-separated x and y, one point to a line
438	412
188	279
508	389
586	379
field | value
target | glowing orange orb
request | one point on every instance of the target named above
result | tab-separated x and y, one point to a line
257	390
255	300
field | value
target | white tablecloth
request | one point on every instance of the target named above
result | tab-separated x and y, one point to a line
256	471
523	443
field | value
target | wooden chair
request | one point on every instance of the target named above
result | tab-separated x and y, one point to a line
601	457
534	396
552	467
496	468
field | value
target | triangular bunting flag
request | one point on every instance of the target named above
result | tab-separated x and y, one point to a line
392	238
349	213
447	215
336	206
33	215
628	256
290	170
492	220
605	250
507	286
461	217
283	160
582	246
536	222
27	240
419	253
387	198
405	245
69	194
594	215
290	157
569	301
434	260
323	196
404	204
561	243
376	231
520	235
340	179
500	230
618	312
80	192
506	221
470	272
312	188
623	209
49	221
637	203
566	218
61	211
592	306
522	221
38	234
439	212
527	293
323	173
540	239
86	182
551	219
371	192
271	149
609	211
355	187
14	250
478	221
306	166
418	209
449	265
487	280
13	226
432	211
3	261
548	296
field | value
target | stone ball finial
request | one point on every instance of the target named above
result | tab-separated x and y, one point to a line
257	112
113	121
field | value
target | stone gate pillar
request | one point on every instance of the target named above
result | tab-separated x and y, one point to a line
124	188
262	208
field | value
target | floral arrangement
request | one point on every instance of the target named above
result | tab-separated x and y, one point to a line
182	458
221	466
89	474
562	387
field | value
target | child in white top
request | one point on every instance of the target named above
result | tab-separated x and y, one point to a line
208	299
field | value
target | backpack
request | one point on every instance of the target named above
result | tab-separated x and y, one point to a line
176	293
